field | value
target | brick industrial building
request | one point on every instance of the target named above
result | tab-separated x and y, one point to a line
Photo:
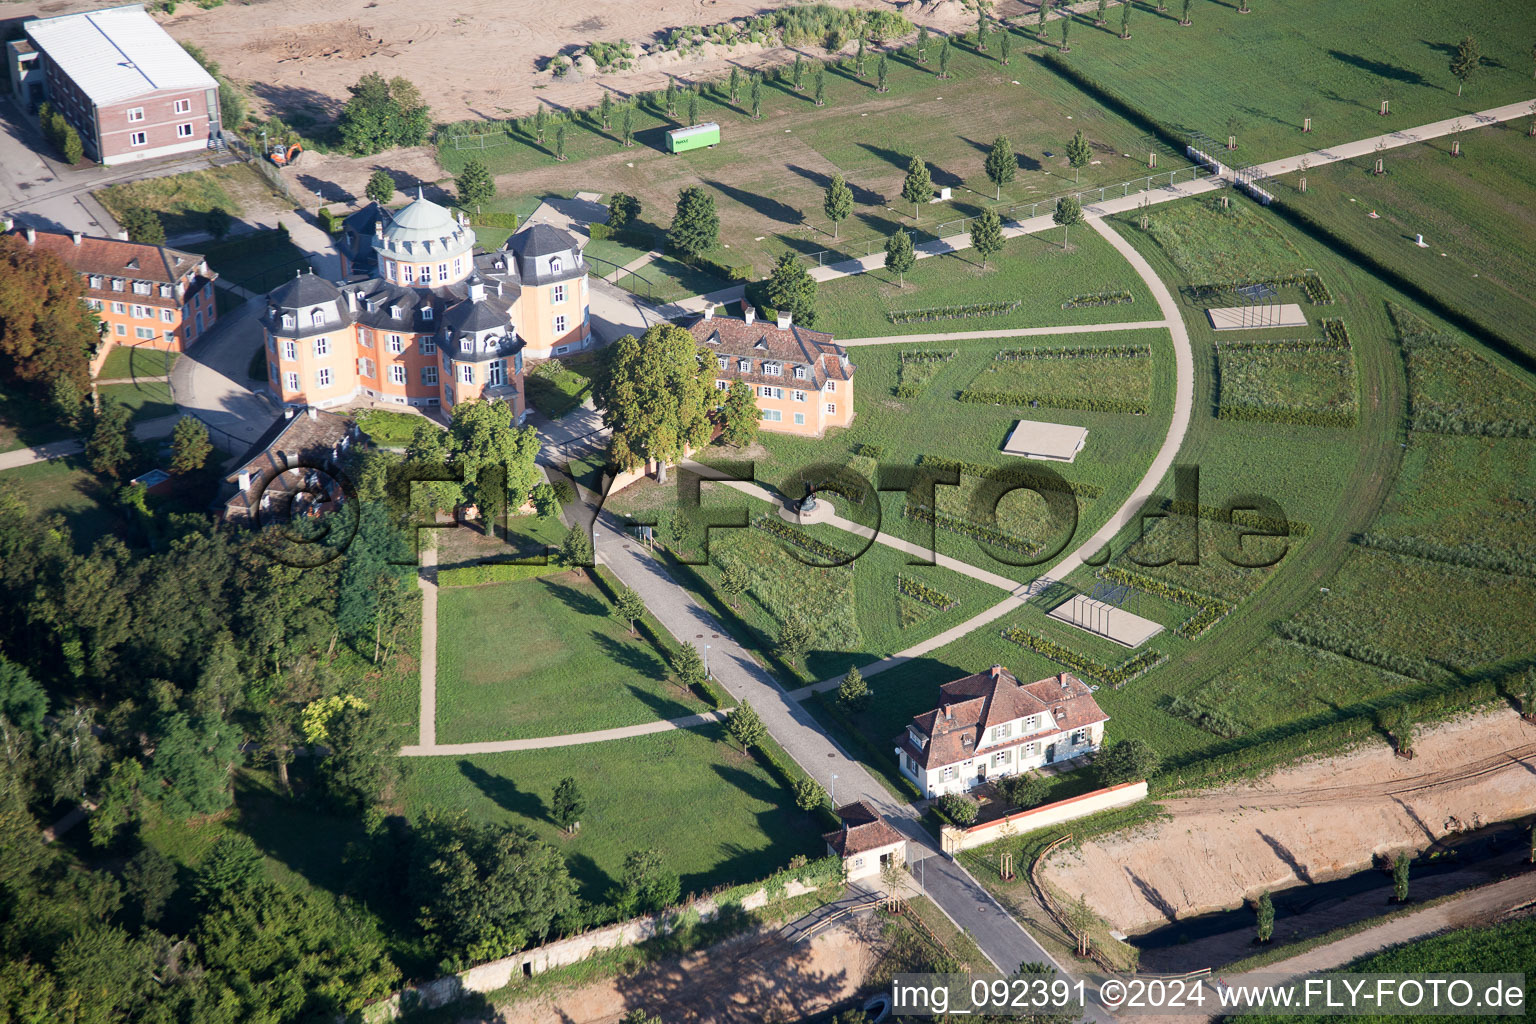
125	85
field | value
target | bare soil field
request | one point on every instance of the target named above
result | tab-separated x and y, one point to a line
1308	823
753	979
470	58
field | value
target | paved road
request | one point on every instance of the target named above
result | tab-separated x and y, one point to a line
161	426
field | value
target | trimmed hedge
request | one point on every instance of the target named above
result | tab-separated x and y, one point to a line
1289	416
869	451
966	312
1334	330
1334	641
772	524
1282	345
921	592
1012	475
1468	556
725	271
493	219
1009	355
1239	517
493	572
330	222
1311	286
1114	676
1052	401
968	528
1208	610
1096	299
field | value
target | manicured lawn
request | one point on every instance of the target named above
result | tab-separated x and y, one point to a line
1331	62
669	279
557	386
391	428
526	538
712	812
259	262
65	487
148	399
125	361
544	657
1033	270
26	421
1479	232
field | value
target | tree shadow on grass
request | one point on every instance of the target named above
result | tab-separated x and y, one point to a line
1382	69
581	602
503	792
662	706
629	656
861	195
770	208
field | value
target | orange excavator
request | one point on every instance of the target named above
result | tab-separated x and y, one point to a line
282	157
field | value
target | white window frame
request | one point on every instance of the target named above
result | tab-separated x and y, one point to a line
799	373
466	373
396	344
429	376
428	346
184	131
743	366
496	373
948	772
831	385
290	351
799	419
723	362
397	374
322	347
291	381
772	368
144	333
290	321
183	106
559	324
557	294
135	115
722	385
323	377
138	138
798	396
773	416
426	312
832	408
317	318
168	316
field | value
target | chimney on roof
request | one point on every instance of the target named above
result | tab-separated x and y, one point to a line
76	236
122	236
31	236
314	413
749	312
709	311
949	714
9	222
245	480
997	671
288	412
785	319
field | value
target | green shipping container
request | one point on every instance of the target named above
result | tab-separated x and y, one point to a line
681	140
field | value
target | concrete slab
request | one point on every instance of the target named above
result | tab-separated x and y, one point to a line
1106	620
1052	442
1251	318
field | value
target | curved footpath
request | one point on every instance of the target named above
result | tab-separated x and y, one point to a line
1183	405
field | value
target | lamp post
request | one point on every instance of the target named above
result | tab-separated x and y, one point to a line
832	792
706	663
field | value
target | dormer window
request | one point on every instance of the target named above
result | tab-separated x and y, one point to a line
799	373
117	284
165	291
96	281
724	362
394	312
290	321
426	312
555	265
744	365
141	287
317	318
772	368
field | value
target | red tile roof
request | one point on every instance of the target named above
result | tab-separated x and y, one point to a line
295	442
114	257
970	706
863	830
763	341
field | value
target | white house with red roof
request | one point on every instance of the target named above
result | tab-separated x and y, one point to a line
989	725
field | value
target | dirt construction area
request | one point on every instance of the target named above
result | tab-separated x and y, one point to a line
1308	823
470	58
753	979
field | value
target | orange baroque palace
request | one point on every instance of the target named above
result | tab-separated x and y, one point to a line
423	319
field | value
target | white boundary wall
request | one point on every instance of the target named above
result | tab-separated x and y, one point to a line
954	839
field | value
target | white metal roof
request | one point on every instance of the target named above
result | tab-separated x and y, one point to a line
698	129
1059	442
117	54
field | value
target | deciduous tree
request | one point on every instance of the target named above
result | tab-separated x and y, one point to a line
1466	61
899	255
381	187
1265	910
629	607
110	445
794	637
791	289
882	74
917	186
655	395
647	885
853	691
190	446
143	225
757	95
744	726
1079	152
944	57
568	804
623	211
1002	164
808	794
986	235
739	415
837	202
1129	760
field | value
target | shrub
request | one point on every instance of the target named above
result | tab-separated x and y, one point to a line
1017	476
1096	299
959	808
1208	610
1116	676
921	592
966	312
1054	401
924	513
772	524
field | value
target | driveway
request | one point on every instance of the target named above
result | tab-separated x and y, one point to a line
210	382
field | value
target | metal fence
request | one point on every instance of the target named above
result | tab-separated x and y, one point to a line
629	280
263	166
479	141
